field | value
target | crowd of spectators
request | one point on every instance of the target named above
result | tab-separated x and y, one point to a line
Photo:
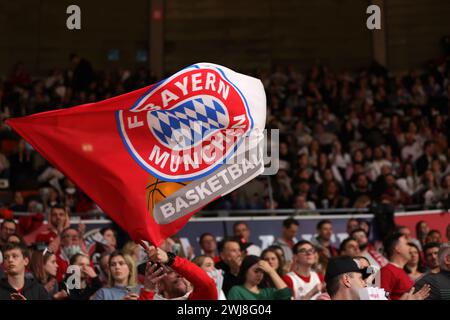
347	139
57	263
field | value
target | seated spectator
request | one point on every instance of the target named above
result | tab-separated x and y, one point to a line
242	231
174	277
207	264
393	277
433	236
208	245
439	282
275	260
122	281
15	286
430	253
304	282
344	279
349	248
422	230
352	224
323	240
88	282
7	227
414	267
288	239
251	275
71	244
43	266
230	262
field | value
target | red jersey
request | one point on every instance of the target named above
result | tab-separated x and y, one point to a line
395	281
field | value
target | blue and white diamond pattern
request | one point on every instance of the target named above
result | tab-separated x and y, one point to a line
188	123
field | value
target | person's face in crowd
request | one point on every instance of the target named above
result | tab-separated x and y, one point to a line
290	232
272	259
58	217
70	238
14	262
378	153
354	281
359	157
431	257
242	231
363	263
414	256
406	232
284	150
362	182
208	264
254	275
18	198
82	262
304	187
104	264
13	239
434	237
352	225
51	267
361	238
326	231
305	255
110	238
328	175
300	202
402	248
351	249
119	269
424	228
208	244
173	284
7	229
390	181
231	252
365	226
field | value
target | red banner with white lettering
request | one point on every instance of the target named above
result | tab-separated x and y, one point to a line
153	157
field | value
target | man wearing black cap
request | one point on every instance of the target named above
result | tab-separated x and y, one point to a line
344	279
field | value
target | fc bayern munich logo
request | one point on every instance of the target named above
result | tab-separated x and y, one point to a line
186	126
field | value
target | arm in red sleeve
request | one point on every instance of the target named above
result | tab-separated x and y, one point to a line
387	281
204	286
146	295
289	283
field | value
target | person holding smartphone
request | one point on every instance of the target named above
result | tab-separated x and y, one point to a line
122	279
14	286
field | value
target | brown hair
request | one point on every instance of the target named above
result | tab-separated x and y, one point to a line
37	263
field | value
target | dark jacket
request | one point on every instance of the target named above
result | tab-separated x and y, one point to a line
229	279
32	290
83	294
439	283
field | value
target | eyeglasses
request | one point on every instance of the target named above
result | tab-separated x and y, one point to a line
307	251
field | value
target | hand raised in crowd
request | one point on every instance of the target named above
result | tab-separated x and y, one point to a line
421	294
88	271
17	296
155	254
153	275
265	266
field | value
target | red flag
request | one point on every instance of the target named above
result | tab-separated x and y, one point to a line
138	155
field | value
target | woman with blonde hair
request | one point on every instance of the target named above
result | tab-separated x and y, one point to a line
122	280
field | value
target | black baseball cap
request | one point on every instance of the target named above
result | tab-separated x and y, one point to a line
340	265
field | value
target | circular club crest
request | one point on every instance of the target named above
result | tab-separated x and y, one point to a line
186	126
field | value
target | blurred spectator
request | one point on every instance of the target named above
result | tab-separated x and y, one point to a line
207	264
323	239
242	231
349	247
208	245
230	263
430	252
7	227
414	268
288	237
250	276
15	286
304	282
439	282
